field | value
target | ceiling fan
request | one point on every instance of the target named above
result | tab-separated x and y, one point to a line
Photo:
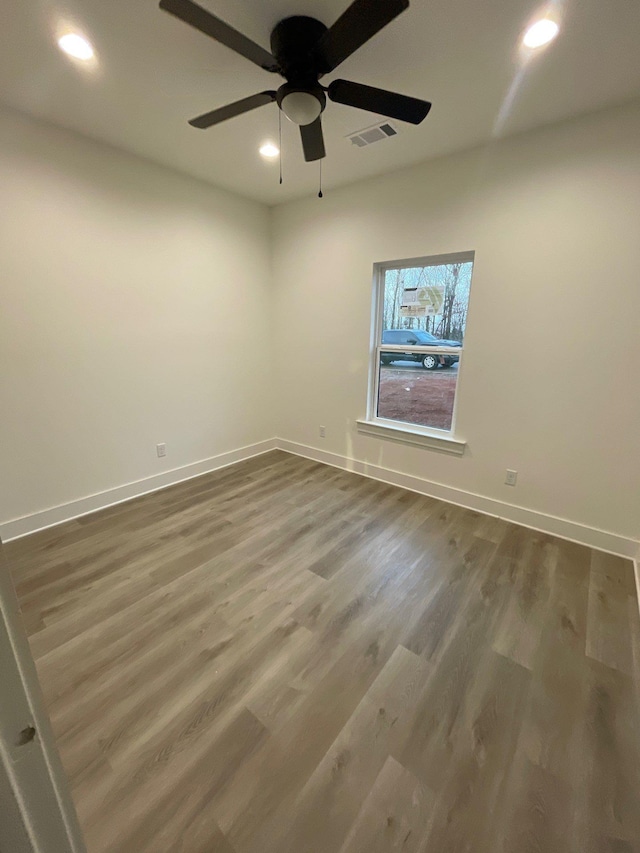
302	51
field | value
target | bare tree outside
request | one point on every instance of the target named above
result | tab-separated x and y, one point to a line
454	278
418	388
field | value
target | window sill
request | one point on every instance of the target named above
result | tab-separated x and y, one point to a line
413	437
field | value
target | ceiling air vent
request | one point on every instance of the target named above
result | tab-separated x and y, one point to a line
372	134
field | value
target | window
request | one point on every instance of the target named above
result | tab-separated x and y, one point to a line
420	317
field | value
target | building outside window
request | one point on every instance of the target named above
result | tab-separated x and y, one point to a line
420	318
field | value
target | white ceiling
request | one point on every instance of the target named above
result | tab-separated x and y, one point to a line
155	72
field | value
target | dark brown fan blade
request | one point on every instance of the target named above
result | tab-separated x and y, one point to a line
208	24
232	110
362	20
312	140
379	101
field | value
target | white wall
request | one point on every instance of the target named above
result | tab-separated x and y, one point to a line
551	379
133	310
136	306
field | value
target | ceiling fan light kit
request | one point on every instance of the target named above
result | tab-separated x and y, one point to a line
301	106
302	51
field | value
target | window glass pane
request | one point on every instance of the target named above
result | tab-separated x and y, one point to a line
417	388
430	301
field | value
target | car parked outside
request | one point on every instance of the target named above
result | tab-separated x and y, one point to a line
418	338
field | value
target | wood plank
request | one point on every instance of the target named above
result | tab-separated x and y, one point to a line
283	657
395	815
329	802
612	585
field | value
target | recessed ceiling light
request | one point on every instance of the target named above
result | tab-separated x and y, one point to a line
75	45
540	33
269	150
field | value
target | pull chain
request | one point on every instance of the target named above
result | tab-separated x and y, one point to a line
280	140
320	192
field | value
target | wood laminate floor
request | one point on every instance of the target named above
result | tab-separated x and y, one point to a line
281	657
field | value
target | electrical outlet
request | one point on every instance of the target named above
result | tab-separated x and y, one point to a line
161	449
322	432
512	477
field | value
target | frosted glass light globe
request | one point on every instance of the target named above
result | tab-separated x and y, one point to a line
301	107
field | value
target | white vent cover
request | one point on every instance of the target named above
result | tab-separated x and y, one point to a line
376	133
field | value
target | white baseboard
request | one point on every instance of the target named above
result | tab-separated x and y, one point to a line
602	540
18	527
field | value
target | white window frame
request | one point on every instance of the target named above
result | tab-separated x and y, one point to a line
446	441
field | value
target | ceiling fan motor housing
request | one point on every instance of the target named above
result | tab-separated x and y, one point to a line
292	43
